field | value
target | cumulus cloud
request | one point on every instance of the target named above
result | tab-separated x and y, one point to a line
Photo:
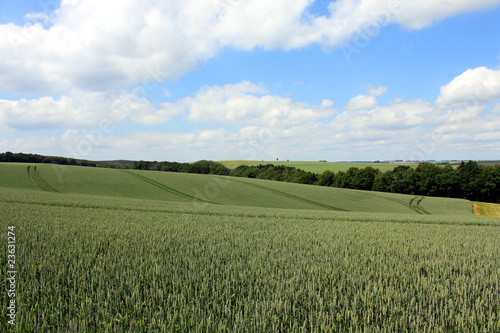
420	14
238	104
364	102
83	110
395	117
244	103
248	122
372	91
361	102
464	119
94	45
478	86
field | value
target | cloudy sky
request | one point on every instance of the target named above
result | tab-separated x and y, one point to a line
251	79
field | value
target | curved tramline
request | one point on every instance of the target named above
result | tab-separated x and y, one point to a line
48	186
288	195
398	200
38	180
102	182
31	177
420	206
416	205
411	203
164	187
340	198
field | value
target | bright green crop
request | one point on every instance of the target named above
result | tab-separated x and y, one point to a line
90	262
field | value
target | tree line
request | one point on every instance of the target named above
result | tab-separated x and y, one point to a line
201	167
35	158
469	180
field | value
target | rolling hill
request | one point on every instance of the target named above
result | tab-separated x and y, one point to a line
217	190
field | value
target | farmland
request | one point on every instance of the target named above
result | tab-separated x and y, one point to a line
127	250
317	167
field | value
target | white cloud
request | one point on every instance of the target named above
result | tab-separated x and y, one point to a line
361	102
83	110
396	117
237	104
420	14
364	102
249	123
95	45
167	112
478	86
232	104
372	91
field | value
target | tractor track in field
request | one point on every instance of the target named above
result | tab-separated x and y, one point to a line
33	173
422	208
416	205
165	187
44	182
31	177
291	196
399	202
413	207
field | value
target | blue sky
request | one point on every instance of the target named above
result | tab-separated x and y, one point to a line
251	79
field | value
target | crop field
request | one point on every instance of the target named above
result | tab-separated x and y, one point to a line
317	167
220	190
103	250
231	164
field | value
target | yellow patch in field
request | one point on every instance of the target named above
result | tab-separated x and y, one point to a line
487	209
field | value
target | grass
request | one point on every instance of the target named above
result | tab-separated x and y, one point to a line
487	209
137	251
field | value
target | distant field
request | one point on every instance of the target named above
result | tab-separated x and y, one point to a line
320	167
219	190
235	163
489	163
317	167
105	250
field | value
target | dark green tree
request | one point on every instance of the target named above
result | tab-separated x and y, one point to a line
327	178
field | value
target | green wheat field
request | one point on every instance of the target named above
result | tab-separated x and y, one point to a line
106	250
